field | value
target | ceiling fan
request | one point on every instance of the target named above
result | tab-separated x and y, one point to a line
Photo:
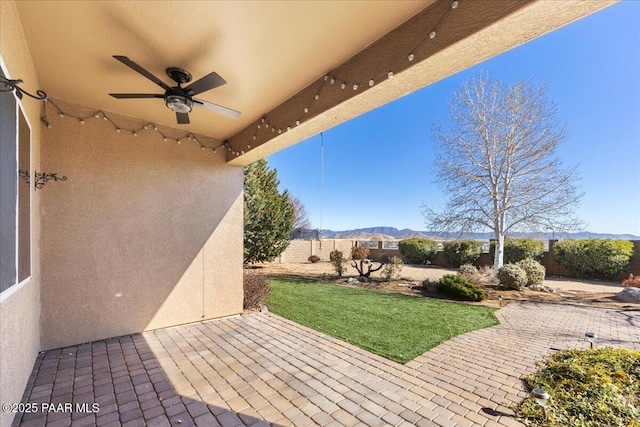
179	99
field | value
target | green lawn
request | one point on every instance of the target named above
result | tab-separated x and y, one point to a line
398	327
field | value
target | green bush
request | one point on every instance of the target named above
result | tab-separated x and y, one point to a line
534	270
418	251
458	252
512	277
594	258
337	261
459	288
588	388
359	252
518	249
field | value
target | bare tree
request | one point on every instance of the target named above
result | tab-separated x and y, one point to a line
301	221
497	164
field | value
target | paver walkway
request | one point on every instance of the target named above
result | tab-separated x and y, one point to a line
261	370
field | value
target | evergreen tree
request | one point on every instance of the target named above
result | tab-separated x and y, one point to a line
268	214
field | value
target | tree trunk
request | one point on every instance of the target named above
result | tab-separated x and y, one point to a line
498	257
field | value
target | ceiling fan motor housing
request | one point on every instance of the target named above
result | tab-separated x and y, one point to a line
179	103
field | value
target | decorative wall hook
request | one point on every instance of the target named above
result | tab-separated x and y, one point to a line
42	178
12	86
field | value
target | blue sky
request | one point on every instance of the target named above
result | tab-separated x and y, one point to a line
378	168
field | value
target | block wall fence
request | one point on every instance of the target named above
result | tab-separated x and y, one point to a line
301	250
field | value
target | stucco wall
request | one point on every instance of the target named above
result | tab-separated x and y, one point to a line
143	234
20	313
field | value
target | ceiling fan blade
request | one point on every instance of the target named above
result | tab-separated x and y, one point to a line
129	63
209	81
136	95
217	108
183	118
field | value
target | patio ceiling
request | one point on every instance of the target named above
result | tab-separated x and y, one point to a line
273	54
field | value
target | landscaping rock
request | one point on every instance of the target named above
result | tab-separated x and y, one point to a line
628	294
352	280
543	288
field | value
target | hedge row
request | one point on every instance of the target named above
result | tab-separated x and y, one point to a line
589	258
516	250
594	258
418	251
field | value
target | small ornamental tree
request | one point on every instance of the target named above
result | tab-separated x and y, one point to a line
337	261
268	214
359	256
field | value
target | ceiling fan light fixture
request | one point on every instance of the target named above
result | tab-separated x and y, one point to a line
179	103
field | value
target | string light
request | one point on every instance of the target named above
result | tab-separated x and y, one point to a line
329	77
332	79
134	132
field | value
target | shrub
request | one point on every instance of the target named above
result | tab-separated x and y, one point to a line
337	262
482	277
392	268
467	269
359	252
256	289
632	281
512	276
588	388
313	259
485	277
418	251
459	288
460	252
516	250
534	270
594	258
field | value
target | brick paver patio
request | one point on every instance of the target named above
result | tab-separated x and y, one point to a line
261	370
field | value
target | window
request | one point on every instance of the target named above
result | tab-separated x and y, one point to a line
15	193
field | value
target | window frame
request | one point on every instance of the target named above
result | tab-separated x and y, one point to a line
20	114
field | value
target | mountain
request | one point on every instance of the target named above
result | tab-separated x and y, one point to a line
392	233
